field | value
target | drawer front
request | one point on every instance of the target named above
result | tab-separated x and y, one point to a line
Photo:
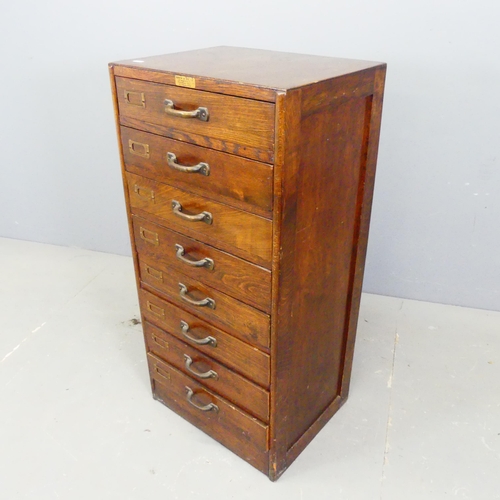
208	372
236	277
244	234
236	125
234	180
220	309
225	422
238	355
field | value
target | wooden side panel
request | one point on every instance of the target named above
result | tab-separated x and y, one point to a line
321	225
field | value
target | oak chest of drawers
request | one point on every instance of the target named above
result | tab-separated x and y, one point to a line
248	177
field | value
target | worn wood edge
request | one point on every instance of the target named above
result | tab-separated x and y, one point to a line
298	447
288	121
124	179
336	99
275	269
360	245
207	84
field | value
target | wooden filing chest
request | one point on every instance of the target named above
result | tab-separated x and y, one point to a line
248	177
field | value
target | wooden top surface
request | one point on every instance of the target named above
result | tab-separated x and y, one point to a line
262	68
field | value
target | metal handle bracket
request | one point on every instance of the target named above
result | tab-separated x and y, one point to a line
200	113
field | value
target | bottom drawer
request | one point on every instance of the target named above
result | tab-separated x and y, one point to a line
244	435
247	395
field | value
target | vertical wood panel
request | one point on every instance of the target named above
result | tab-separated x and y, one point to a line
327	176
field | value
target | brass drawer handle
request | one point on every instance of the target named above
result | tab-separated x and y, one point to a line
206	262
201	217
208	407
200	113
209	374
149	236
138	148
201	168
157	311
206	302
144	193
207	340
141	100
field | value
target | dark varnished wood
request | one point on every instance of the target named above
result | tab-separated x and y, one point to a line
242	233
231	275
240	126
249	361
238	318
290	327
319	240
231	426
251	73
229	384
236	181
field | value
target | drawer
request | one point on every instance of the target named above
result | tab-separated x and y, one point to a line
234	180
225	422
244	234
208	372
242	320
233	124
236	277
238	355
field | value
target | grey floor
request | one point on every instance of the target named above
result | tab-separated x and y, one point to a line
77	420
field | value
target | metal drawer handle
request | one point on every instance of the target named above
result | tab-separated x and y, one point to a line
144	193
138	148
207	340
201	168
208	407
183	292
206	262
200	113
202	217
209	374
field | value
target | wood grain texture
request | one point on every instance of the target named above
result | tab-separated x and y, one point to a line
240	126
233	180
318	244
236	277
236	70
360	243
230	385
289	239
242	233
231	426
249	361
245	322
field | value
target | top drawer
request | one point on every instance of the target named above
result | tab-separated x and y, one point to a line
240	126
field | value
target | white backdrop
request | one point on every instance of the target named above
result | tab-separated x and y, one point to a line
435	231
